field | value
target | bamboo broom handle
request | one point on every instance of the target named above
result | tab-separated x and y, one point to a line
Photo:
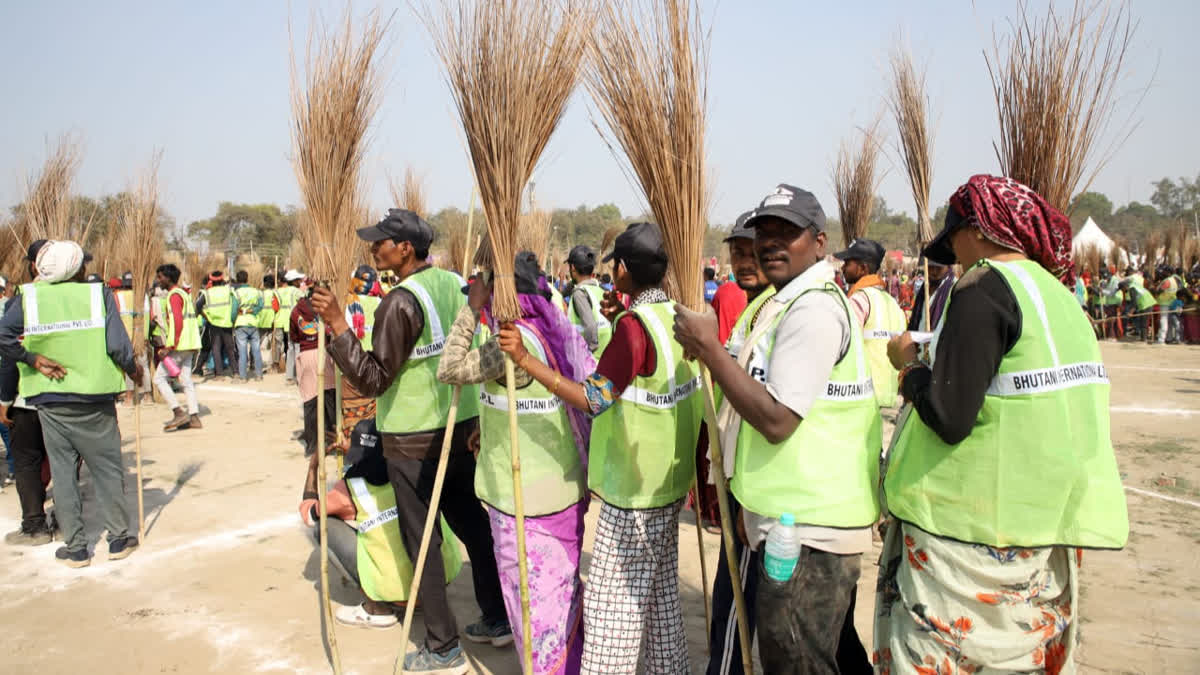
925	288
341	456
718	467
431	519
137	435
330	635
467	242
519	504
703	561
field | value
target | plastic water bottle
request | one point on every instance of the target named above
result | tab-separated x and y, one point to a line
172	368
782	551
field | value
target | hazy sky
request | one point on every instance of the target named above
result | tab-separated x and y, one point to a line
208	83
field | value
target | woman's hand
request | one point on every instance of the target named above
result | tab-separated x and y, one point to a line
901	350
511	342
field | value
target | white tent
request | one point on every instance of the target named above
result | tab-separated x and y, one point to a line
1090	235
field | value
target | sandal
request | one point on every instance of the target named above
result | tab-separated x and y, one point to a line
358	616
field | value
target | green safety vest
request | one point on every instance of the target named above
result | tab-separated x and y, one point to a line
369	304
556	297
552	474
416	401
266	316
884	320
124	298
288	297
1142	297
1038	468
826	473
603	327
248	297
1167	295
189	337
384	568
741	332
218	306
643	448
65	322
154	307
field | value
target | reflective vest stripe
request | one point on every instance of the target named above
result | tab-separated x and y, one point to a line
438	337
525	406
34	327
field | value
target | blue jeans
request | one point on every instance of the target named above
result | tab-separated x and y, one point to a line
7	449
246	338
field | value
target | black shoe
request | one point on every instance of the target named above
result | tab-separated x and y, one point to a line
119	549
73	558
35	536
497	633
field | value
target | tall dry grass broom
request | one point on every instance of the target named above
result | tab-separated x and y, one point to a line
909	101
511	67
47	206
332	107
854	182
1055	85
142	244
648	72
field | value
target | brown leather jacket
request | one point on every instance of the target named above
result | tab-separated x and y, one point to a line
399	322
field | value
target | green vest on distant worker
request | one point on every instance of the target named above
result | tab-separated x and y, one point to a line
1169	289
384	569
1141	297
65	323
603	327
189	337
266	316
884	320
826	472
218	306
125	306
416	401
552	473
1038	468
556	297
369	303
248	298
288	297
643	449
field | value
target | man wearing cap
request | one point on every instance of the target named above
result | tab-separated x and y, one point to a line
266	321
412	409
646	409
941	280
877	312
218	305
68	342
584	307
751	292
287	295
801	434
245	326
180	343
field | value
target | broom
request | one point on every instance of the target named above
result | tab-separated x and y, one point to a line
142	243
511	67
908	103
332	107
1054	81
647	73
854	182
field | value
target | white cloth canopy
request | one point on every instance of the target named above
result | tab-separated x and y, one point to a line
1091	235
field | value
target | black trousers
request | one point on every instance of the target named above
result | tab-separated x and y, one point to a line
223	345
309	435
29	451
412	481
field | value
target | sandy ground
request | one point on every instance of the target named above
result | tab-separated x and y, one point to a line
226	579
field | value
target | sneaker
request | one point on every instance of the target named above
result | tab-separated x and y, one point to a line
424	661
72	558
119	549
358	616
32	537
496	633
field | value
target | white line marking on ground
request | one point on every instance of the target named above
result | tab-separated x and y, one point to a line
1153	411
1156	368
1168	498
247	392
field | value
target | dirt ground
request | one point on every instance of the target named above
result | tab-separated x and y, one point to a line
226	580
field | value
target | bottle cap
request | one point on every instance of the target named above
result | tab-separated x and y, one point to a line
787	519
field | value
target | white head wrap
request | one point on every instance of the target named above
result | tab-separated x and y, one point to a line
58	261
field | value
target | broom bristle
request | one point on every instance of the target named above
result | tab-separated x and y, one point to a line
908	102
648	72
854	183
332	108
48	210
510	67
141	240
1054	84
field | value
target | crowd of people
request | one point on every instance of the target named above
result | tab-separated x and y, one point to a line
999	474
1158	304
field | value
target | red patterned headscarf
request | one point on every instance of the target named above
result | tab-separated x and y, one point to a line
1014	216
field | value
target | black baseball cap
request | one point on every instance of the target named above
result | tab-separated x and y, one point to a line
526	274
364	441
866	250
401	225
740	231
939	250
640	243
798	207
581	256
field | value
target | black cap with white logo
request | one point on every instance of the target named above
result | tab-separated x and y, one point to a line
798	207
866	250
400	225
